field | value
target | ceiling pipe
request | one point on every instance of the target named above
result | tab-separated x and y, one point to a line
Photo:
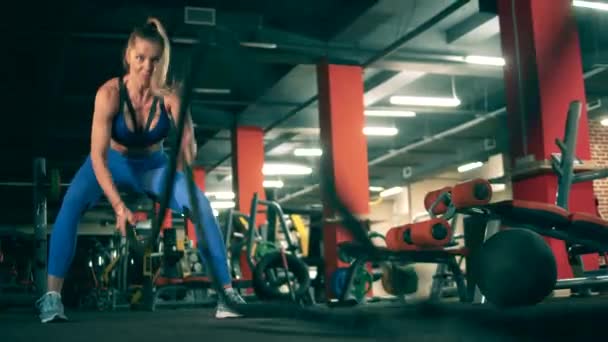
309	53
313	50
382	54
438	136
267	129
404	149
316	49
298	193
266	103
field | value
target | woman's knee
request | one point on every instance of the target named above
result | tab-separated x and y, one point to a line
182	196
81	194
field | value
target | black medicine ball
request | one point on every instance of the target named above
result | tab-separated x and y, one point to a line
516	267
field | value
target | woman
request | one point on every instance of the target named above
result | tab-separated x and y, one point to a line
132	116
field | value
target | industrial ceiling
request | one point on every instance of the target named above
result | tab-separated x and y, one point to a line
259	69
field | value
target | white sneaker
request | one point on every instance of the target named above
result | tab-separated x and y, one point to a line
222	310
51	307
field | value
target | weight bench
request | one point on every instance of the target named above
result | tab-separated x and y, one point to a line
545	219
430	241
552	221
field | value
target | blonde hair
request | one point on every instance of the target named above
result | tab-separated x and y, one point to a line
154	31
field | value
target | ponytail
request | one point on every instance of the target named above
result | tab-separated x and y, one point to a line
160	73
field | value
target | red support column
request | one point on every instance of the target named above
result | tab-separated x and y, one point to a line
248	161
247	176
341	121
198	173
168	220
543	74
140	215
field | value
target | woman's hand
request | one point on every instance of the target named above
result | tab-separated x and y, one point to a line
124	216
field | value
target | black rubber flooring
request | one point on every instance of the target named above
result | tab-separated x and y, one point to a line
574	319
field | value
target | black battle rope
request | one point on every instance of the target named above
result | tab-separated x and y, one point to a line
347	320
185	98
388	323
288	309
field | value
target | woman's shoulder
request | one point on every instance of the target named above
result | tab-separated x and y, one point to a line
108	93
111	85
109	89
171	99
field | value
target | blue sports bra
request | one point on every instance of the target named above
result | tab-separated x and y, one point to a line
140	137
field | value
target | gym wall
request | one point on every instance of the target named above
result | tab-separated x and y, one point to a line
598	139
381	215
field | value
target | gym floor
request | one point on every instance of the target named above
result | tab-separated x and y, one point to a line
576	319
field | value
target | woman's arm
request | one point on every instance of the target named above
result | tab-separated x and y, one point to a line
106	105
188	144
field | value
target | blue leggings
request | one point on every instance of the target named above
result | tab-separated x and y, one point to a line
139	175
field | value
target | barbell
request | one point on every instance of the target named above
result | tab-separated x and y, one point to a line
51	184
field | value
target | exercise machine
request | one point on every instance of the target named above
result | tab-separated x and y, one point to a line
515	266
428	241
278	272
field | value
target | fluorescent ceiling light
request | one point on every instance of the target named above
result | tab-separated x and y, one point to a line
391	192
215	212
211	91
307	152
221	195
591	4
498	187
425	101
273	184
259	45
469	166
604	122
485	60
380	131
390	113
222	204
285	169
376	188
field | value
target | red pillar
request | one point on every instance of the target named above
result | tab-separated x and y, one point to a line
168	220
247	177
248	161
140	215
341	121
543	74
198	173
